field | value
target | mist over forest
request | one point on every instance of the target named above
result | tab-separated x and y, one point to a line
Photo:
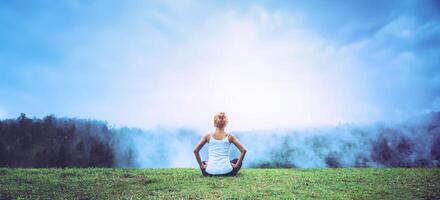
72	142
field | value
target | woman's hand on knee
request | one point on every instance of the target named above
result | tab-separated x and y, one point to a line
234	165
203	166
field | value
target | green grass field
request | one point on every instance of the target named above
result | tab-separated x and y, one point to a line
108	183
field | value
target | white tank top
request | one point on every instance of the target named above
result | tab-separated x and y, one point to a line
218	156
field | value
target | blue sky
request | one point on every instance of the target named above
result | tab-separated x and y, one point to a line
267	64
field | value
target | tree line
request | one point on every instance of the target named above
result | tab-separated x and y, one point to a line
55	142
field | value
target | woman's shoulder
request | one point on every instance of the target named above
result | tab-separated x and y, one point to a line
207	136
230	137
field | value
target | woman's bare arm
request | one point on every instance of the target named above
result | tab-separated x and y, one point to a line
240	147
196	151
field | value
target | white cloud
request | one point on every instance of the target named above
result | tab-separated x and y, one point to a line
262	73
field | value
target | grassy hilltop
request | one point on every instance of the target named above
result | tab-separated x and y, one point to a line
111	183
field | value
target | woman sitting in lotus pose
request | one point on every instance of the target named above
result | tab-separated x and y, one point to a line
218	163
